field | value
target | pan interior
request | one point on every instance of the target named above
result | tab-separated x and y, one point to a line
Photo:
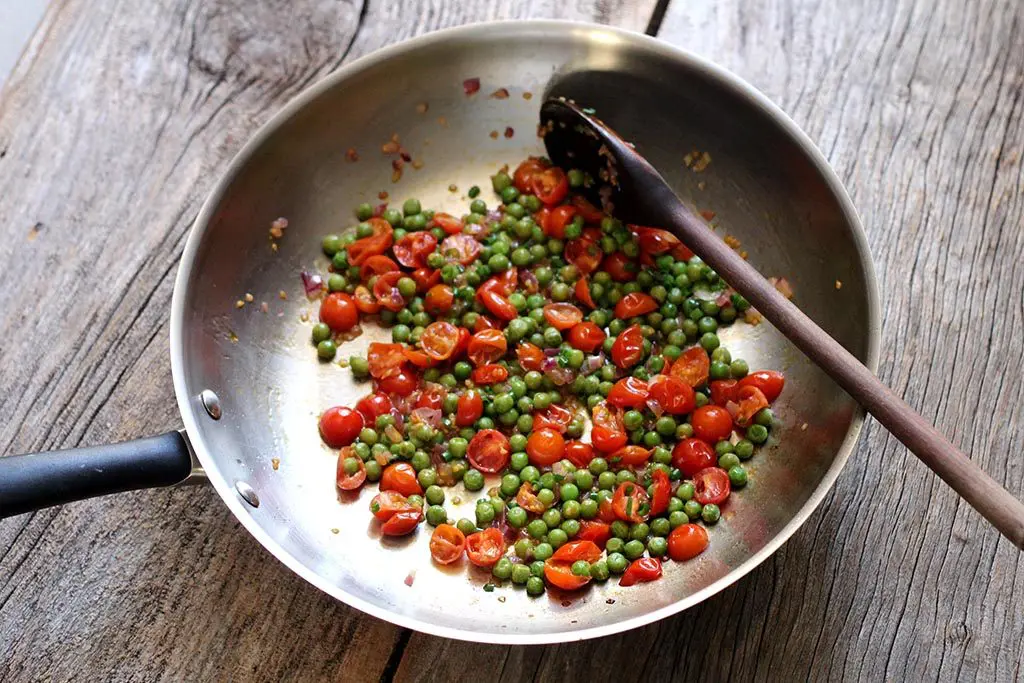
762	184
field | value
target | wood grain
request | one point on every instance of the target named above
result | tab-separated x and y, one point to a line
121	115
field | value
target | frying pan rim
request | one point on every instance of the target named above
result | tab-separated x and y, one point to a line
192	411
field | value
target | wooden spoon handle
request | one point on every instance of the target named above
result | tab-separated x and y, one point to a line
981	491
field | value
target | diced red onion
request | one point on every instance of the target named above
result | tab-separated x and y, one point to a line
559	469
379	210
592	363
493	215
430	416
551	353
312	282
723	298
391	431
560	376
529	281
471	85
733	408
655	407
410	577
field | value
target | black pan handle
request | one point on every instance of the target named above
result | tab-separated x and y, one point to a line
40	480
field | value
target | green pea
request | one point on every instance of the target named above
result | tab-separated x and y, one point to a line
552	517
677	518
400	334
617	562
411	206
660	526
537	528
502	569
520	574
465	526
589	508
709	341
321	332
326	349
557	538
710	513
728	460
633	419
415	501
744	449
434	495
516	517
560	291
598	465
634	549
473	480
509	485
661	455
406	286
331	244
764	417
665	425
534	585
414	222
607	480
436	515
484	513
692	509
500	181
756	433
639	531
427	477
737	476
373	470
529	473
542	551
657	546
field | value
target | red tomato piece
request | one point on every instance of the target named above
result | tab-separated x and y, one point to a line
497	304
489	374
550	185
385	289
469	409
608	440
385	359
620	267
578	453
661	491
486	547
376	265
654	241
562	316
412	250
556	219
631	503
523	176
641	571
577	550
673	394
687	541
401	478
489	451
628	348
425	278
417	358
447	544
768	381
692	455
486	346
723	391
749	402
365	301
711	423
377	243
628	392
586	336
582	292
439	340
630	456
373	406
450	224
635	304
530	356
460	248
711	486
595	531
503	284
528	500
554	417
590	213
484	323
401	384
545	447
402	523
558	567
338	310
387	503
340	426
692	366
432	398
462	344
584	253
439	300
344	480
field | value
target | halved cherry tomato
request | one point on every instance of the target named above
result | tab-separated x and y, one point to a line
523	176
489	451
586	336
692	366
631	503
628	392
550	185
401	384
402	522
417	357
595	531
768	381
484	323
376	265
605	509
545	447
373	406
400	477
630	456
620	267
432	397
556	219
554	417
462	345
460	248
582	292
469	409
590	213
687	541
692	455
640	571
385	289
385	359
583	253
425	278
339	311
489	374
558	567
486	346
528	500
562	316
654	241
749	402
503	284
387	503
723	391
447	544
412	250
440	340
450	224
339	426
628	348
344	480
673	394
530	356
377	243
711	485
661	491
711	423
486	547
365	301
497	304
608	433
635	304
578	453
439	300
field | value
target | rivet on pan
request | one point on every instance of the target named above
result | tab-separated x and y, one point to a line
211	403
247	493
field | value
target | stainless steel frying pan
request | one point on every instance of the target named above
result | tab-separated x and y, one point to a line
250	388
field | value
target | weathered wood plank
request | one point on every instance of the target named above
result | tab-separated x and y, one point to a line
113	127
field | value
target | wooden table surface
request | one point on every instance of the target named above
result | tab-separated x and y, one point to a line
121	115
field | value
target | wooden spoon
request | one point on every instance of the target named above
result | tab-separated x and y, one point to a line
575	139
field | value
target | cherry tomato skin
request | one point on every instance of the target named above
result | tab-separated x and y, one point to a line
641	571
338	310
450	224
439	299
413	249
558	567
385	359
687	541
484	323
385	289
661	491
628	392
440	340
562	316
462	344
528	500
545	447
580	549
692	455
365	301
556	220
402	523
447	544
469	409
373	406
749	402
693	367
346	481
485	548
460	248
635	304
578	453
620	267
711	485
340	426
486	346
595	531
723	391
631	456
376	265
417	358
554	417
586	336
431	398
607	440
582	292
530	357
489	374
425	278
523	176
711	423
489	451
498	305
631	503
590	213
583	253
401	478
551	185
387	503
673	394
401	384
377	243
768	381
628	348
